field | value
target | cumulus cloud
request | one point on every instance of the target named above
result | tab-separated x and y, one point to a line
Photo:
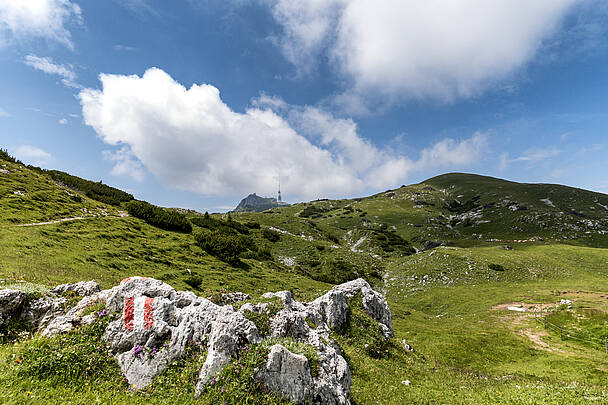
33	19
416	49
3	113
125	164
63	121
33	155
46	65
191	140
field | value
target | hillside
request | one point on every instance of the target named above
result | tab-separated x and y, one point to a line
449	253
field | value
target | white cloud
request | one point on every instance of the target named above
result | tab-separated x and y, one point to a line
394	49
63	121
123	48
449	152
191	140
31	19
33	155
530	157
46	65
125	164
3	113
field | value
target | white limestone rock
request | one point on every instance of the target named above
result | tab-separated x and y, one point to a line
10	302
82	288
288	375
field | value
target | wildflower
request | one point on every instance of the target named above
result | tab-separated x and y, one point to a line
137	350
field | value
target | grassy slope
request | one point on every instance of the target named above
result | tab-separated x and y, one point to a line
441	299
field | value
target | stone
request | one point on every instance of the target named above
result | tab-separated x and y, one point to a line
82	288
10	302
288	375
157	324
234	297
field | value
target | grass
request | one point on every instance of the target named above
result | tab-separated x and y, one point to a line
446	302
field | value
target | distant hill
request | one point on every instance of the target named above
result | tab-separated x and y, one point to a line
255	203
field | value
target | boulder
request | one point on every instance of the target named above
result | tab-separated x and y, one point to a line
158	323
10	302
288	375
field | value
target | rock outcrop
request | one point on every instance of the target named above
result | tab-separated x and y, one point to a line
10	302
255	203
154	325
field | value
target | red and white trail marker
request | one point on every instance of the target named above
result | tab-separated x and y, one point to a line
139	313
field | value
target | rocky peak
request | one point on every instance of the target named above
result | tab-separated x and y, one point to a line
255	203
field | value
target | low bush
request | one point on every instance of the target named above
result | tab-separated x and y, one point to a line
225	246
312	211
160	217
95	190
195	281
230	226
272	236
496	267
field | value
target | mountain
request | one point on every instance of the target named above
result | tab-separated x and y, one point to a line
450	254
255	203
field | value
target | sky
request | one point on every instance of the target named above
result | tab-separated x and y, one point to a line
197	103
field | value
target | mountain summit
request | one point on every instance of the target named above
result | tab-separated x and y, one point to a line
255	203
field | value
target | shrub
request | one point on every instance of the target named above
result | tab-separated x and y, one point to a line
272	236
4	155
333	271
312	211
160	217
496	267
95	190
195	281
252	225
390	241
226	247
229	226
262	254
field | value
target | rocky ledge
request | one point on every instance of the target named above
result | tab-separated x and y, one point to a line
154	324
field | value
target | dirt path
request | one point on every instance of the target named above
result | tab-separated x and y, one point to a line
57	221
518	319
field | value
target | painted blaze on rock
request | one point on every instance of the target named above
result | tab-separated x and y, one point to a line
157	323
138	312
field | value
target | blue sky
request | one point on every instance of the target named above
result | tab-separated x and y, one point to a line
196	103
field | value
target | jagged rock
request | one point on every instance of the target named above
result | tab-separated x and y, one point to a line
82	288
43	310
10	302
157	324
72	317
288	375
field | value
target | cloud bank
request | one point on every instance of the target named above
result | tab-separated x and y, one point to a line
191	140
35	19
434	49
